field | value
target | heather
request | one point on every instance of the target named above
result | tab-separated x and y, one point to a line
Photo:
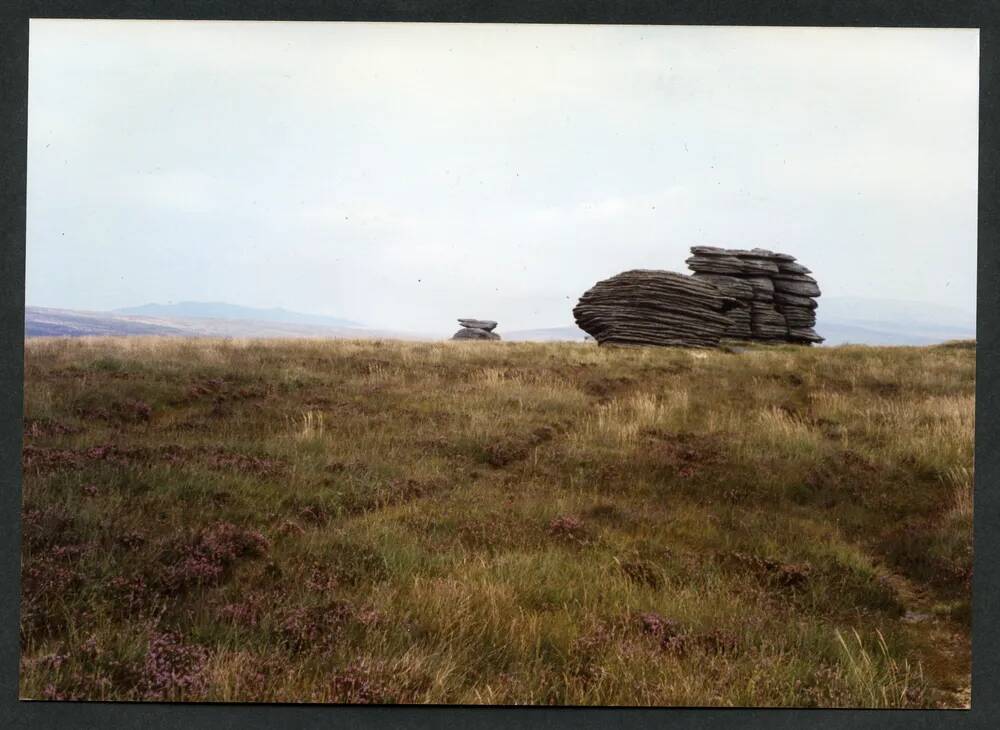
495	522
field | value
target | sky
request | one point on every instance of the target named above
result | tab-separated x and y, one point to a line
403	175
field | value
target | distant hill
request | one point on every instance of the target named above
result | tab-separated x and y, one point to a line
864	321
845	320
222	310
547	334
841	320
836	332
46	322
886	333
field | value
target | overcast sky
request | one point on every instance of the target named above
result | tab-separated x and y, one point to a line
403	175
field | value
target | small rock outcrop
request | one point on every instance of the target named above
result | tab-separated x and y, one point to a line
476	329
651	307
776	296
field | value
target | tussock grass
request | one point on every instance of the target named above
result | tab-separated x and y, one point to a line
886	681
516	523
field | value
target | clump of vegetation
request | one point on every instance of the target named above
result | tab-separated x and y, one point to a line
505	523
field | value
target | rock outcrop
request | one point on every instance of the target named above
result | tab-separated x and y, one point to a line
649	307
734	294
776	296
476	329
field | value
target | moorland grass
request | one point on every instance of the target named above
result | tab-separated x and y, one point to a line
365	521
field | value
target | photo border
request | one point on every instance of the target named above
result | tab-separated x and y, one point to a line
844	13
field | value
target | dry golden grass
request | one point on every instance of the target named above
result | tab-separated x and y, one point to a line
358	521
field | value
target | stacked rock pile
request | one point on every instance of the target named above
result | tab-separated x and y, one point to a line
775	295
644	307
476	329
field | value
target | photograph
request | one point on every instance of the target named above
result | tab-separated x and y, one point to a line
426	363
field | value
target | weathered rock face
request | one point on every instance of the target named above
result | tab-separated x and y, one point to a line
775	294
476	329
734	294
480	324
650	307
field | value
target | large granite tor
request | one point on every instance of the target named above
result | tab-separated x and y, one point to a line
734	294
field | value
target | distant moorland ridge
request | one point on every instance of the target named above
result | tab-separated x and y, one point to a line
840	320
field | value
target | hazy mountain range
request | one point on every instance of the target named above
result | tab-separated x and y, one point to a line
196	319
222	310
847	320
891	322
840	320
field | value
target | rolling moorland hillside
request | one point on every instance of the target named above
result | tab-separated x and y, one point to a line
47	322
223	310
369	521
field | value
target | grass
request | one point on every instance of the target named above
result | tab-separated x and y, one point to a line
504	523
